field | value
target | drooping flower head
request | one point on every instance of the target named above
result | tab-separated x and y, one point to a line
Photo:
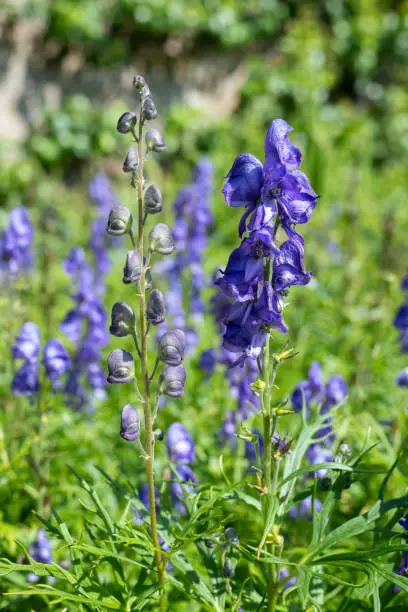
274	194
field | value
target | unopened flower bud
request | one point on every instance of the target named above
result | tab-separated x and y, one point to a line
120	366
231	536
130	423
123	320
228	568
126	122
149	110
140	85
153	200
161	239
345	450
324	483
120	221
172	380
131	162
171	347
155	309
133	267
209	543
155	141
158	435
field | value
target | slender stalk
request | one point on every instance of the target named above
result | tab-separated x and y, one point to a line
149	445
269	483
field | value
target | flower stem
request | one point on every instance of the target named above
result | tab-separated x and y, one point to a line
149	445
269	484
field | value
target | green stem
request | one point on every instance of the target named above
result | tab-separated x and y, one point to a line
149	446
269	484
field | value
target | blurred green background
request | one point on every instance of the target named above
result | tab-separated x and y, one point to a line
220	72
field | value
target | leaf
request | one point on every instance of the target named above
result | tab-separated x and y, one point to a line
197	585
269	521
329	465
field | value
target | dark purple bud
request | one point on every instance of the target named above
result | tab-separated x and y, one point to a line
130	423
153	200
158	435
155	141
161	239
231	536
120	221
155	309
131	162
123	320
228	568
149	110
171	347
172	380
140	85
133	267
120	366
27	344
180	445
56	361
126	122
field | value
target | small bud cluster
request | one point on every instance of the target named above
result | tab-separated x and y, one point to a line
122	368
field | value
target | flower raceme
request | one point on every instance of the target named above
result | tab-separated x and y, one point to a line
259	272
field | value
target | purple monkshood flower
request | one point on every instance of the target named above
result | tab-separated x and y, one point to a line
401	319
305	508
26	380
85	326
27	347
180	445
250	448
139	515
40	551
101	193
16	244
184	270
178	489
403	568
313	390
402	378
56	361
275	193
28	342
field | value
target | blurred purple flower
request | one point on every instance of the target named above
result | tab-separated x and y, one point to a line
56	361
40	551
16	244
178	489
180	445
85	326
28	342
